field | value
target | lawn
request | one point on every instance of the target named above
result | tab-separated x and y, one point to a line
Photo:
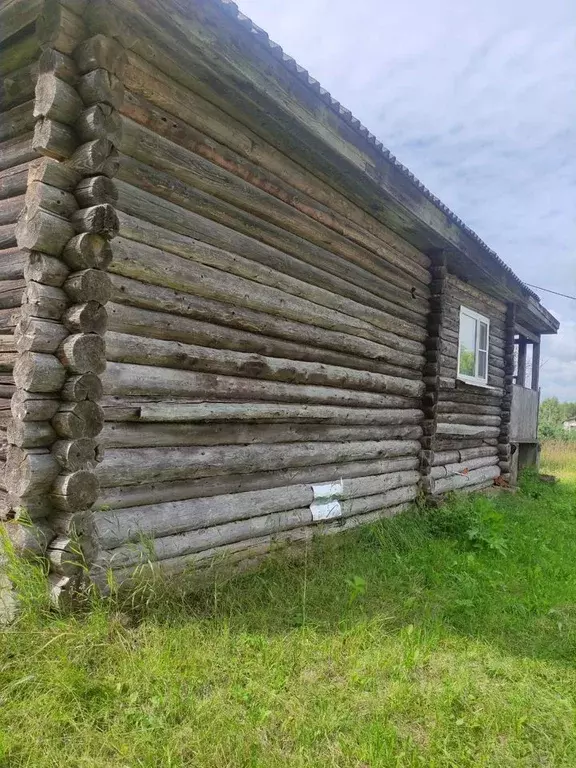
449	641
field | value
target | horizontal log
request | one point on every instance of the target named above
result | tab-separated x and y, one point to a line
124	379
312	248
399	412
56	99
32	406
38	372
127	466
28	541
96	190
193	111
86	386
29	473
40	230
83	353
196	541
456	456
458	443
54	139
11	209
101	52
17	49
17	121
88	285
16	151
124	348
164	268
470	418
133	293
75	491
11	292
13	181
90	317
463	468
12	262
108	529
97	219
466	430
43	301
456	482
65	557
94	158
8	236
74	455
30	434
449	406
17	87
46	170
119	435
78	420
59	201
87	251
52	62
59	27
137	495
48	270
99	121
99	86
36	335
178	231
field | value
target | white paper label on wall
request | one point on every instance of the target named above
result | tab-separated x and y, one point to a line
325	509
328	490
326	505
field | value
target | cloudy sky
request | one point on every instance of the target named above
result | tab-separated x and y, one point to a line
478	99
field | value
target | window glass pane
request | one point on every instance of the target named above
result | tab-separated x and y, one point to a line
482	364
483	343
467	345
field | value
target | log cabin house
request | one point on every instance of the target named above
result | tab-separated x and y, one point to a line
229	317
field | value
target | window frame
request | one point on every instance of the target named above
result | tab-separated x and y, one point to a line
476	379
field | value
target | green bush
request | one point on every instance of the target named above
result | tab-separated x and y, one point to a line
473	521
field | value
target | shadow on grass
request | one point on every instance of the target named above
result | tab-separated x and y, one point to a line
516	590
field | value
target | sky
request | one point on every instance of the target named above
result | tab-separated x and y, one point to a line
478	99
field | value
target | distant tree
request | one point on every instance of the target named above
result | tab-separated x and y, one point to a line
553	414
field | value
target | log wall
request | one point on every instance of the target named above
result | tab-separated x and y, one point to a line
19	54
264	336
466	423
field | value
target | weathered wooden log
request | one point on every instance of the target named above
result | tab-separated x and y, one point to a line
52	62
46	170
150	381
65	556
164	268
77	420
30	434
466	430
174	355
7	361
463	468
101	87
8	236
74	455
11	293
36	335
307	255
60	28
88	285
74	491
128	293
40	230
13	181
16	16
455	482
31	406
48	270
12	262
116	435
470	418
83	353
87	251
177	231
198	540
38	372
90	317
101	52
56	100
142	77
99	122
17	122
129	466
59	201
16	151
53	139
446	444
87	386
11	209
18	87
112	529
182	411
98	220
29	472
95	157
447	406
96	190
29	540
43	301
454	457
137	495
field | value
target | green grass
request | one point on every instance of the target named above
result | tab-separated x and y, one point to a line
394	646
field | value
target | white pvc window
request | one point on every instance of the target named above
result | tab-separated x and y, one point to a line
473	342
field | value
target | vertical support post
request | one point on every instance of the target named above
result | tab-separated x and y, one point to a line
506	402
535	366
433	354
521	377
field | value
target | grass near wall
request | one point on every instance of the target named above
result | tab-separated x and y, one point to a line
449	641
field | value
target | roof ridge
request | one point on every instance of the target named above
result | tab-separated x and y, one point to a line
232	9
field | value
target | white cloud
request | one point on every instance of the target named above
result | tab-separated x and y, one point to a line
478	99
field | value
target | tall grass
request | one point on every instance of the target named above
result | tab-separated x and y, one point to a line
446	639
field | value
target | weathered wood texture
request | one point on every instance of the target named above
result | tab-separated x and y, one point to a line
259	342
468	420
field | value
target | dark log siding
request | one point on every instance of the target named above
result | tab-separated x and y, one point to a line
468	418
260	341
18	56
